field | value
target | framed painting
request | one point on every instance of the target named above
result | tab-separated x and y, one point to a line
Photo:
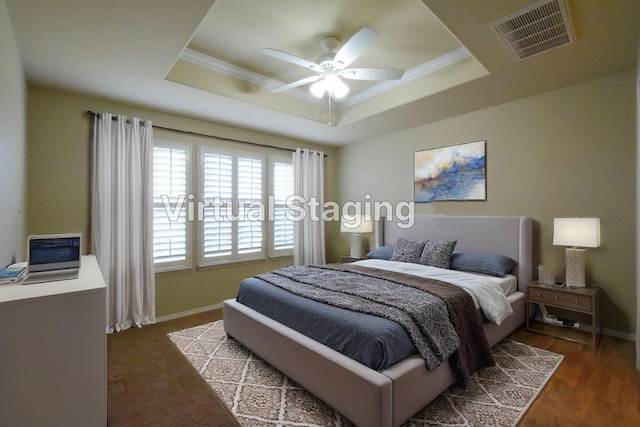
455	172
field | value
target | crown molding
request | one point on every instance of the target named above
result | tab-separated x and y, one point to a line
231	70
409	75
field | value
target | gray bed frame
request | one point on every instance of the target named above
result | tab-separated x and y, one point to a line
389	397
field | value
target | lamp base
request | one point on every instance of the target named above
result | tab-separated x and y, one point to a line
356	245
574	260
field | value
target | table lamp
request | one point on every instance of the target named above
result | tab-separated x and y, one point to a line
576	232
356	226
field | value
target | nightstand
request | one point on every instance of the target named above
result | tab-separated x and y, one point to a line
346	259
576	300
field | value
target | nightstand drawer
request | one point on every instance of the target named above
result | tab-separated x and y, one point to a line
559	299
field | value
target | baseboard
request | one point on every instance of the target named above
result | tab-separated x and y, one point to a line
188	313
617	334
611	333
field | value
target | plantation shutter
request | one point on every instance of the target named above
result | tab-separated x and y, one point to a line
250	207
218	187
282	187
170	187
232	187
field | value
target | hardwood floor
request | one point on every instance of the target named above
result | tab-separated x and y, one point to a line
592	387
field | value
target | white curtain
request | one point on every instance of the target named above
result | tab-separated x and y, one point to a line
308	170
122	218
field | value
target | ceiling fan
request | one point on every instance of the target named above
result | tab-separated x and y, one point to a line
331	65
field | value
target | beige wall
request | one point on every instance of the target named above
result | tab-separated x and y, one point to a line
565	153
637	212
12	145
569	152
58	196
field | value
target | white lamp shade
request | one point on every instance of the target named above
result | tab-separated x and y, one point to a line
584	232
356	225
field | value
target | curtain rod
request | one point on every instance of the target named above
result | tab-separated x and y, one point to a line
188	132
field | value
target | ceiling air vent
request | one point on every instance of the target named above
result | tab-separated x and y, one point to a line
543	26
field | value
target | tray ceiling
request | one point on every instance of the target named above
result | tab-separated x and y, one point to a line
224	56
202	58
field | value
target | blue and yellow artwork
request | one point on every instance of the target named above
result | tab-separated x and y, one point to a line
455	172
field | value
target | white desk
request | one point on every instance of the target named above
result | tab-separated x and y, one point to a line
53	351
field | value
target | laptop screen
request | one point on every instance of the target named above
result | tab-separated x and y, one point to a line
54	252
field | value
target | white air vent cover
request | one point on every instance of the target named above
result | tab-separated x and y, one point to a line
543	26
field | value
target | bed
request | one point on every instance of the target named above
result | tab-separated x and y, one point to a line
388	397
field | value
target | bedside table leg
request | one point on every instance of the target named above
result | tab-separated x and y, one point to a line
597	333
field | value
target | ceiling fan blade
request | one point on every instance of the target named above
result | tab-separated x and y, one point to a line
355	46
293	59
372	73
296	84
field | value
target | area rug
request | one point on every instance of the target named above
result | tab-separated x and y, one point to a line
260	396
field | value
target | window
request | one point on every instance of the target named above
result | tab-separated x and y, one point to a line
281	188
232	189
171	185
240	206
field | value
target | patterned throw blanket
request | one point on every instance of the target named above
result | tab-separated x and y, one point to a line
440	318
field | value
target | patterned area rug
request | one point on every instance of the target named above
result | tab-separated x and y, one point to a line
261	396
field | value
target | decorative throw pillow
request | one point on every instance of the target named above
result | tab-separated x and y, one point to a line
407	251
383	252
492	264
437	254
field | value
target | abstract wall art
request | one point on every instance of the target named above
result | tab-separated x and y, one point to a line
454	172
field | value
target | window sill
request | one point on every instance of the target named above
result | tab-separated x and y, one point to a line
228	264
173	271
280	257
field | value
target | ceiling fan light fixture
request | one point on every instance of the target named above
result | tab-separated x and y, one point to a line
330	84
336	86
331	65
318	88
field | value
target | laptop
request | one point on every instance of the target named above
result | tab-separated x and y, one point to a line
53	257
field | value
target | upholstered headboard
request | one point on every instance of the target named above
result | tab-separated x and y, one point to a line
505	235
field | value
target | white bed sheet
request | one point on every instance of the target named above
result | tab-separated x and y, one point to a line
487	291
508	283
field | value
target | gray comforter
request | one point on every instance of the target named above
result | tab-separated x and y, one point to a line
440	318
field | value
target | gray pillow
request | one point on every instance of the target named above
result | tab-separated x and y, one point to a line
407	251
383	252
493	264
437	254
